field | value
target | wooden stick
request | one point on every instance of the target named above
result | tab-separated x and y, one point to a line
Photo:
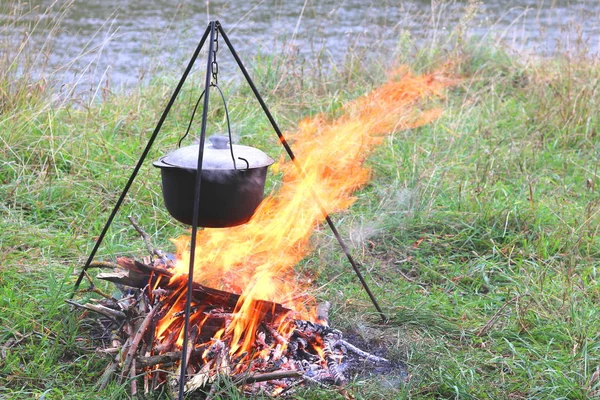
167	344
362	353
151	249
165	359
146	384
110	370
193	335
138	337
94	289
106	311
292	386
267	376
126	277
103	264
128	332
107	374
133	383
276	336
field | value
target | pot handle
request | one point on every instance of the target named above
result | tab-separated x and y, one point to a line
187	131
228	122
246	161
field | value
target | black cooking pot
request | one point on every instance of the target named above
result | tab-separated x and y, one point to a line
232	182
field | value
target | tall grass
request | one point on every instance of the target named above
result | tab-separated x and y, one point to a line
23	56
478	233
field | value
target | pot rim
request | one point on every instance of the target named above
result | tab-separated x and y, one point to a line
217	158
160	163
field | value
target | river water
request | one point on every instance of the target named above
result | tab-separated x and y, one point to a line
123	42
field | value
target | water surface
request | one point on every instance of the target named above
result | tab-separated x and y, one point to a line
121	42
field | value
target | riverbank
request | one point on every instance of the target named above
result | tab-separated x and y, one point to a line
478	232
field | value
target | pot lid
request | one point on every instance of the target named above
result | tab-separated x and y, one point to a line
217	155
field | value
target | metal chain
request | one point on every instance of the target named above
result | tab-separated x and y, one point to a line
215	65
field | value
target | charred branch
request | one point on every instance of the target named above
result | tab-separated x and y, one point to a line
367	356
332	358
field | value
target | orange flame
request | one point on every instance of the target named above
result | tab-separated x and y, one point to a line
257	258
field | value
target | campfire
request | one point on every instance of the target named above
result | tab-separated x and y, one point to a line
251	319
261	346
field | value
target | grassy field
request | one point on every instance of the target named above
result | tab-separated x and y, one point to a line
478	233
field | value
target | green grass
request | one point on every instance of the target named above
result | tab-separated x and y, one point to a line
478	233
515	273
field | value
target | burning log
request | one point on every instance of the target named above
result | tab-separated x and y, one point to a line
138	275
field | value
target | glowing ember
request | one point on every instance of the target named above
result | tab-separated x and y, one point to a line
256	259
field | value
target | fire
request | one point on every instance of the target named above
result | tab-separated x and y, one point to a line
256	259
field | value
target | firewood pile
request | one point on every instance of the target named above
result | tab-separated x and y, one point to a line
142	334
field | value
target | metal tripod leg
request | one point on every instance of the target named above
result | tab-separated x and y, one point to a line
141	160
190	281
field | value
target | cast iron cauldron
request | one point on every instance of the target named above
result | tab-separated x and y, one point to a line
230	190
